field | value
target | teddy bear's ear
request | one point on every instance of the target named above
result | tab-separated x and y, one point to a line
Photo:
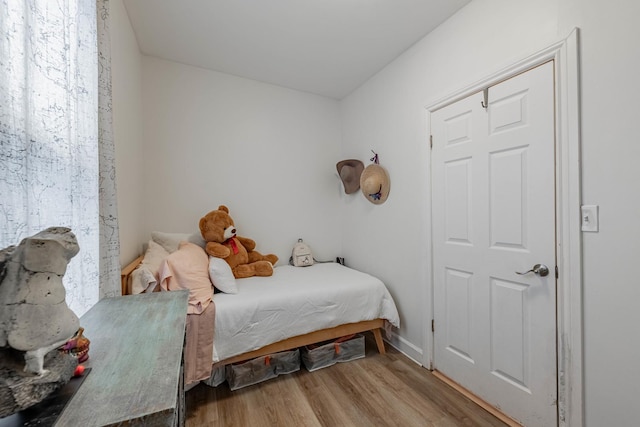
203	224
223	208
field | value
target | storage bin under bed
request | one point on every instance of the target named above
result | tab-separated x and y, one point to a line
331	352
262	368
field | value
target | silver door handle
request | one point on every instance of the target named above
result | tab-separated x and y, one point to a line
539	269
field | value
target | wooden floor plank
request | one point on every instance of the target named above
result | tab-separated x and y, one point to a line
326	403
378	390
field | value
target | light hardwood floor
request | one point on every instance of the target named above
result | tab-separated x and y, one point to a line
378	390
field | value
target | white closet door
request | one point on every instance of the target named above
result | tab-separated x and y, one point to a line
493	173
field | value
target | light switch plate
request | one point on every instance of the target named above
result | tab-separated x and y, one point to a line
590	218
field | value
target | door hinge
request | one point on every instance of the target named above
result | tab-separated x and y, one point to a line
433	325
557	273
431	141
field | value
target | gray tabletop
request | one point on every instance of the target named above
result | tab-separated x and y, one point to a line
135	356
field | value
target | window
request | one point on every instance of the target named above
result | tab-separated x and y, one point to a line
49	148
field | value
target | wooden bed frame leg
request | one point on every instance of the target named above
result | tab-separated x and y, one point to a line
377	334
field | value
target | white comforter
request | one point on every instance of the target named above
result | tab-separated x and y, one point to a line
296	301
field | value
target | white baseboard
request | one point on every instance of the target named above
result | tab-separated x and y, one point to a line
405	347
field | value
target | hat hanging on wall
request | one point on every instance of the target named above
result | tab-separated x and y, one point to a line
374	182
350	171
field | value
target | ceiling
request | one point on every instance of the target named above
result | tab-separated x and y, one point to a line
327	47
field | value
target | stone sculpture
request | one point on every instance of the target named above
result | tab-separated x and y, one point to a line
34	316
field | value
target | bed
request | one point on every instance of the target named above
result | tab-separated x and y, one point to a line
294	307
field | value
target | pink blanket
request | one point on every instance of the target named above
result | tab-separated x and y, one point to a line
198	349
187	268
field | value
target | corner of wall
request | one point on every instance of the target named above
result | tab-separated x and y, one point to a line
127	129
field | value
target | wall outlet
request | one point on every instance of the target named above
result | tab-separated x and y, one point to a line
589	218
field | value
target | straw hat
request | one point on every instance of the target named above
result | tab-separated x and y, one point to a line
349	171
375	184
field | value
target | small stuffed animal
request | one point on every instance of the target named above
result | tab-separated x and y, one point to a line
218	230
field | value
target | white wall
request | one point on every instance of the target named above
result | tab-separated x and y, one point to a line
267	152
127	130
610	177
387	114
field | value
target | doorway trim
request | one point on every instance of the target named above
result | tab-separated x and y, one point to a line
565	54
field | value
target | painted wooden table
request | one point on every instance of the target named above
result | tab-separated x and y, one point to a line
136	360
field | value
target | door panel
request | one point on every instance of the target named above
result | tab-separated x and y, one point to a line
458	300
493	210
510	332
457	193
509	112
508	198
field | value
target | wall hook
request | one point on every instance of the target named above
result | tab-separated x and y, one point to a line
485	103
374	159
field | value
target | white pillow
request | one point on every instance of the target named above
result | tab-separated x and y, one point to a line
221	276
171	241
154	256
142	280
145	277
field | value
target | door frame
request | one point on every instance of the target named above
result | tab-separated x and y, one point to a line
564	53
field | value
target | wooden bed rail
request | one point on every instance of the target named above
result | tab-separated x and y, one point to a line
312	338
125	273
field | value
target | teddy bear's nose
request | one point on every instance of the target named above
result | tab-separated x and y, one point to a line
233	231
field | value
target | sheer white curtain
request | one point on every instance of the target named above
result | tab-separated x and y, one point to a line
50	157
109	231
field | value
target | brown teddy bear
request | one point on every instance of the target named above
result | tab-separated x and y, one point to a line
218	230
